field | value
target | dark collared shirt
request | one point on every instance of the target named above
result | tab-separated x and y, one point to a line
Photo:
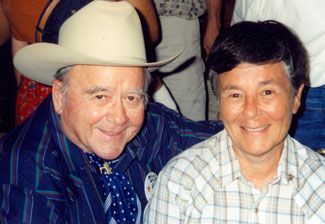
45	178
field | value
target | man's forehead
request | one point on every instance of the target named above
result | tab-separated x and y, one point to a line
96	72
94	79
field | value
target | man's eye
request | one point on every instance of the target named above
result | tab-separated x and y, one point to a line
100	97
134	100
131	98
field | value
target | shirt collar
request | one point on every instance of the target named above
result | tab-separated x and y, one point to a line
287	169
229	168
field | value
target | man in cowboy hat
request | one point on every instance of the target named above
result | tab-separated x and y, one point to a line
85	156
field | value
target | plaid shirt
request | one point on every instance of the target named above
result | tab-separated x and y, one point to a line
205	184
45	178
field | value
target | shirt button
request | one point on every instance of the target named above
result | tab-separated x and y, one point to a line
290	177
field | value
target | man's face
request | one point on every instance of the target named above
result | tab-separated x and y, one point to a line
104	107
256	106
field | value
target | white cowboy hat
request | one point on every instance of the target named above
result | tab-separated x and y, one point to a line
101	33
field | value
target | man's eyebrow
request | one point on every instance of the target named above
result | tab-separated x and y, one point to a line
138	92
96	89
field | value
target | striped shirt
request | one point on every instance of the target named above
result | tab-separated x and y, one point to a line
205	184
45	178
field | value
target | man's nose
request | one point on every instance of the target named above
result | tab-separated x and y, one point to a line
117	113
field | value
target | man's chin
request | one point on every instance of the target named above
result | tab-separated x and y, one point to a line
110	152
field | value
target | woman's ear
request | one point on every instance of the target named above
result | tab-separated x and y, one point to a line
58	95
297	100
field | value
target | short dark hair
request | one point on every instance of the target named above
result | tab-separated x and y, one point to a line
259	43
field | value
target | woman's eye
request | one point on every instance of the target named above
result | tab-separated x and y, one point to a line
235	95
268	92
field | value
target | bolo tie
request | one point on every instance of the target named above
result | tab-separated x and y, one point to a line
121	201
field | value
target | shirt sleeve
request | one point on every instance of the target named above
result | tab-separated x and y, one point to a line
168	133
21	205
237	15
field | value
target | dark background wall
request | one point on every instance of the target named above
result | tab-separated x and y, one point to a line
7	89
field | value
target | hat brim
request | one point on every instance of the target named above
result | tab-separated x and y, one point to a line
41	61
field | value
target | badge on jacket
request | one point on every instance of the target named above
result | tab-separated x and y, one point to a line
149	184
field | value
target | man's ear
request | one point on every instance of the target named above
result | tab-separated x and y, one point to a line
297	100
58	95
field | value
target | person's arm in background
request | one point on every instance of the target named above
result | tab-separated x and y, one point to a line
170	133
213	24
149	17
16	45
4	26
